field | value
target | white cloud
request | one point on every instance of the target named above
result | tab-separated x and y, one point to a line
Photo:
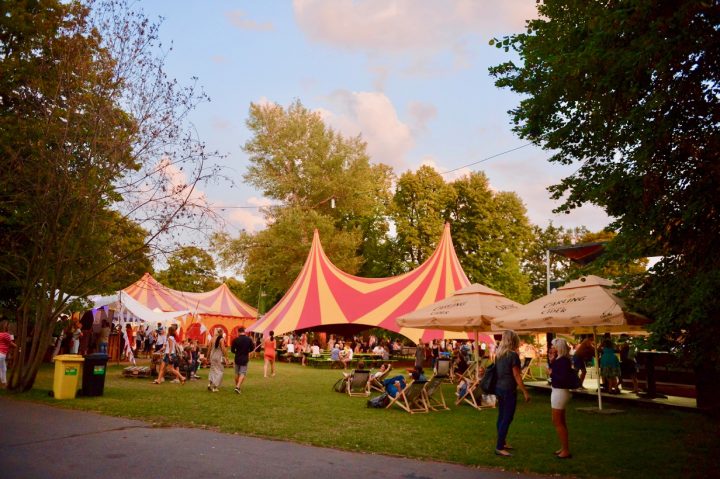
179	184
373	115
249	219
402	25
237	18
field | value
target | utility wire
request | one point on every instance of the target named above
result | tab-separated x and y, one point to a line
486	159
442	173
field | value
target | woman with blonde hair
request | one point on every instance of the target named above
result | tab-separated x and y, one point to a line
170	359
562	379
269	347
507	366
217	355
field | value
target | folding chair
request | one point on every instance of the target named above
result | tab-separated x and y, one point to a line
443	368
473	395
411	399
358	383
434	398
527	369
376	383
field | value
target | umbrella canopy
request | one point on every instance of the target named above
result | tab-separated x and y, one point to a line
468	309
587	304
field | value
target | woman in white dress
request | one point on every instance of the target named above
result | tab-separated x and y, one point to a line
217	355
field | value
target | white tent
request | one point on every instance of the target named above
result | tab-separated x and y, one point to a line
130	309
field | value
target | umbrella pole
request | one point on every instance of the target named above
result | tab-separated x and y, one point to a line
597	369
477	356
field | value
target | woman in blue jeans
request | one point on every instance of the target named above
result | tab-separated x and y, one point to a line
507	365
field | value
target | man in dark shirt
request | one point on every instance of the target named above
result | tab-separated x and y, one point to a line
242	346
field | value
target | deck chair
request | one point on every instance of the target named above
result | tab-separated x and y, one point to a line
473	395
443	368
376	383
527	370
434	398
411	399
358	383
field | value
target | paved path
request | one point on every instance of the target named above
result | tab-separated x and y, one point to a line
38	441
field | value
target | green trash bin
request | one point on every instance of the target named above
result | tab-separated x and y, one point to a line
93	380
68	371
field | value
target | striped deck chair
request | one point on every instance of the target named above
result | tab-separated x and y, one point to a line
443	369
411	399
376	383
358	383
434	398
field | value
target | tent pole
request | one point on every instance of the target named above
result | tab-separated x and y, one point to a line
597	369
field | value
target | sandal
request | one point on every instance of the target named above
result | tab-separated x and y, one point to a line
156	381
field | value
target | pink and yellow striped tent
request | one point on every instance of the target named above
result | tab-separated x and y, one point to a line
323	295
216	308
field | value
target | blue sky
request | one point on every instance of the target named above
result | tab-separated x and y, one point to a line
410	76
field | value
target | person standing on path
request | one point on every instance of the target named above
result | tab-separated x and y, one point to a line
218	354
507	365
563	380
242	346
269	347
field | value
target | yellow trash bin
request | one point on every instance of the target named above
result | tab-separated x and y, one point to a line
68	374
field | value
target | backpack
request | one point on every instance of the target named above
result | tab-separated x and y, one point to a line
340	386
379	402
489	380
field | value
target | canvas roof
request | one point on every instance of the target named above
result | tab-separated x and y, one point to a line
322	294
218	302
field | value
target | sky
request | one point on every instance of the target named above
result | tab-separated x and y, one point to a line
410	76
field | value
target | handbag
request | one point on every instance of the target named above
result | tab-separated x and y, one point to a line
489	380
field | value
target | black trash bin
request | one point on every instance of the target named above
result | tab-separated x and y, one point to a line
94	367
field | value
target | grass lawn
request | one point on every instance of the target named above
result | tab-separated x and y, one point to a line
298	405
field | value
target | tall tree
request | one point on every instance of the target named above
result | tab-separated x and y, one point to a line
419	211
190	269
321	180
491	233
91	134
630	91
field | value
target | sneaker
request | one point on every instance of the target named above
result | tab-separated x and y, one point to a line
215	390
237	390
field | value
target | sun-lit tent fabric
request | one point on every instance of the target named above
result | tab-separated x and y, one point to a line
216	308
123	304
324	295
584	305
220	301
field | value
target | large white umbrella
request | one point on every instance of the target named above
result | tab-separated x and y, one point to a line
587	304
470	309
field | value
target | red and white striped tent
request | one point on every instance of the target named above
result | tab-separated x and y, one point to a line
216	308
323	295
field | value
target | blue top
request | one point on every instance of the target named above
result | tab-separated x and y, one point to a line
335	354
608	359
504	367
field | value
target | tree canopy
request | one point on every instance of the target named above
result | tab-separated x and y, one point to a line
90	132
629	91
190	269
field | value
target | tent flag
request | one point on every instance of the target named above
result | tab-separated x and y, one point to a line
322	294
